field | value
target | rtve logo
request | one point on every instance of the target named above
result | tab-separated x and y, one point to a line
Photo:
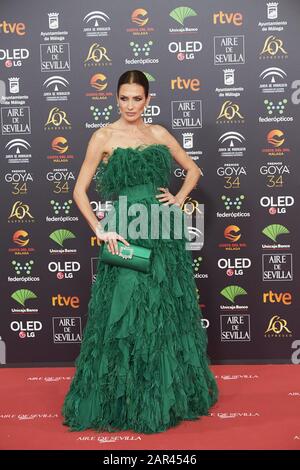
274	297
185	84
61	301
18	28
228	18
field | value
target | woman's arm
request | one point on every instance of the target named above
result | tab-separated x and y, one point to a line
92	159
184	160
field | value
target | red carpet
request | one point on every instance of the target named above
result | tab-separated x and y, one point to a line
259	408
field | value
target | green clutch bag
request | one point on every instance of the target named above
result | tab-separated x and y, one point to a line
132	257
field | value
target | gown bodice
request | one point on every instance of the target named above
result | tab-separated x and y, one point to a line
132	166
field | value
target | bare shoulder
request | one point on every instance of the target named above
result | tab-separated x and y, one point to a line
102	135
161	134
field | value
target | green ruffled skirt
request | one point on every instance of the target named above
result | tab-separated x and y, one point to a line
143	364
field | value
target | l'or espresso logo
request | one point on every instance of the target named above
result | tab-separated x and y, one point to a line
15	120
19	181
229	50
65	301
278	328
12	28
97	56
277	297
20	213
273	48
55	57
61	179
230	114
57	120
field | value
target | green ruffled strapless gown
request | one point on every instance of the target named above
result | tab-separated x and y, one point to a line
143	364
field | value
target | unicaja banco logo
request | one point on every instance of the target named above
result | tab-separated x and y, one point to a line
180	14
22	295
61	235
274	230
231	292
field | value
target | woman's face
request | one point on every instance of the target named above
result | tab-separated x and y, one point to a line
132	101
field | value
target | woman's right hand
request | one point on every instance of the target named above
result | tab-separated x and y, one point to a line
111	239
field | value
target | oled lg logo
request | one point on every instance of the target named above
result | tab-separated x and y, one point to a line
64	270
234	267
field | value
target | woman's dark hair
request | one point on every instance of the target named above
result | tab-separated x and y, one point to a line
134	76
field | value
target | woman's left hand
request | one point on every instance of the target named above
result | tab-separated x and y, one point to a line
167	198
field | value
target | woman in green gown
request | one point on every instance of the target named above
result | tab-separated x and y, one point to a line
143	364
